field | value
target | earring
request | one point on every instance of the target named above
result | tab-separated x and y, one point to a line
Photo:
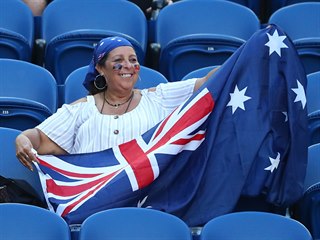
100	82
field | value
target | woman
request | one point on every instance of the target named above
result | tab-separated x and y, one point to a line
112	114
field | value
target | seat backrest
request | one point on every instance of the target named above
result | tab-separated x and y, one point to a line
201	72
28	94
252	226
17	17
274	5
307	210
314	127
313	92
64	16
299	20
70	39
29	81
10	167
21	221
313	167
149	77
206	16
134	223
16	30
73	89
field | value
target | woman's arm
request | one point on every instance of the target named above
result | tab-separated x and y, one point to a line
34	139
202	80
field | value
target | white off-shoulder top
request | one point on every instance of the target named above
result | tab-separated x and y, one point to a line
81	128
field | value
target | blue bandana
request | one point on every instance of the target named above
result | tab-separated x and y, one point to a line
105	46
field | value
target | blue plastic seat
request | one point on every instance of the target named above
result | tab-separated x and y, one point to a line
201	72
313	167
196	34
16	30
10	167
314	127
134	223
21	221
28	94
254	225
307	210
274	5
72	28
313	92
73	89
301	22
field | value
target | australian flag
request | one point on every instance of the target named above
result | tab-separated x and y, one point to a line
244	133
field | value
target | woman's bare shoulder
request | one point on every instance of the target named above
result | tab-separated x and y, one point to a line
84	99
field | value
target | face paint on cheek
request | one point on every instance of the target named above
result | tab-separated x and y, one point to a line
117	67
136	67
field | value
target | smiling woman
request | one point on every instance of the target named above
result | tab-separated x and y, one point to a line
113	112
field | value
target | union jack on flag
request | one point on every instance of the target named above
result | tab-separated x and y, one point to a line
135	161
244	133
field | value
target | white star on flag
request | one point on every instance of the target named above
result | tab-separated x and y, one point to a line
237	99
274	163
275	43
301	95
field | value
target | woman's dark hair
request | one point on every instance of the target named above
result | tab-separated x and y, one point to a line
92	88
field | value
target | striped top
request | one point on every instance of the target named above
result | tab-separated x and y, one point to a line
81	128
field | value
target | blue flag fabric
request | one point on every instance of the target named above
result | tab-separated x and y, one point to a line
243	133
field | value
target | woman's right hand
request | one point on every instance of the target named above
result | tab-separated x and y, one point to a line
24	151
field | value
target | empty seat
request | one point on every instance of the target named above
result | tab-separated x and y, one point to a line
201	72
10	167
307	210
21	221
16	30
73	89
71	29
204	36
314	127
301	22
313	92
134	223
28	94
252	226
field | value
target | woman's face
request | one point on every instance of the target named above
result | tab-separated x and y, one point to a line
121	68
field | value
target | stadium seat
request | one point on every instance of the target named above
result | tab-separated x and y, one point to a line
201	72
307	210
313	168
21	221
134	223
301	22
206	36
252	226
28	94
10	167
71	29
313	92
16	30
314	127
274	5
73	89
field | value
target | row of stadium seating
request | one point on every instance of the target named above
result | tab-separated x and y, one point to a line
187	34
144	224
